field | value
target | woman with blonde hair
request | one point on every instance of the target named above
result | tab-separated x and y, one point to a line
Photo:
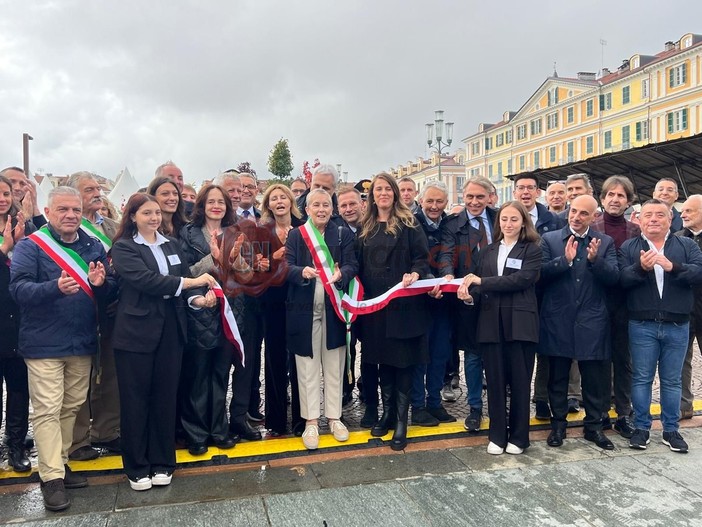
392	248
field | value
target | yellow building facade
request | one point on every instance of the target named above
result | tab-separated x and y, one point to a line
422	170
648	99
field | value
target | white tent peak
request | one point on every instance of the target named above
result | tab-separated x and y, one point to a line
124	187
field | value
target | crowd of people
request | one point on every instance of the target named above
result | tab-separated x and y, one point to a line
125	332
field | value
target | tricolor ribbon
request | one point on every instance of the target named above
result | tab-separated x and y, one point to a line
91	230
67	259
231	330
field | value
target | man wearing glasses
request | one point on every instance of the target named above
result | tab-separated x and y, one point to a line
298	187
249	190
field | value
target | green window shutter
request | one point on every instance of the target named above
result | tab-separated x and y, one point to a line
555	96
683	76
602	102
638	131
671	80
684	120
670	123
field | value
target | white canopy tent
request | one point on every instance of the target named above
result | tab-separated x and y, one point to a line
124	187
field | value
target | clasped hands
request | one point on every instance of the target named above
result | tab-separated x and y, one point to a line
651	257
463	292
571	249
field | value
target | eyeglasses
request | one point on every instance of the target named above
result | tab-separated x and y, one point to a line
249	187
522	188
298	192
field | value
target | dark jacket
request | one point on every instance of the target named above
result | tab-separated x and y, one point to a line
405	253
433	234
643	300
508	301
141	310
53	324
697	290
574	316
459	244
676	223
547	221
300	303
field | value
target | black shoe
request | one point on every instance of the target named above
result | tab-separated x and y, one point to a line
84	453
606	422
640	439
598	437
370	417
399	438
244	430
18	460
556	437
112	447
298	429
421	417
455	381
387	420
227	442
624	427
472	422
197	449
573	406
675	442
71	480
441	414
28	442
543	412
255	416
277	433
55	497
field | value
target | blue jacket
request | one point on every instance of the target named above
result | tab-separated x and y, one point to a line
574	317
53	324
643	300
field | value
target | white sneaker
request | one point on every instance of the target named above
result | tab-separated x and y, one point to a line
338	430
513	449
494	450
310	437
161	479
447	393
140	484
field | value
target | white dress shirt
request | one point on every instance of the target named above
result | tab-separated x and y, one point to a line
657	269
160	256
502	254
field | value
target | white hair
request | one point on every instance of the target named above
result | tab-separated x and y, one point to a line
438	185
63	190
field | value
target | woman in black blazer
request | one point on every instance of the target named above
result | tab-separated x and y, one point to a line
508	323
392	248
149	335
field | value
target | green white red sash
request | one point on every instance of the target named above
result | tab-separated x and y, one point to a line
67	259
231	330
371	305
93	231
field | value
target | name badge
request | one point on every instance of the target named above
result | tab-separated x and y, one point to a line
173	259
513	263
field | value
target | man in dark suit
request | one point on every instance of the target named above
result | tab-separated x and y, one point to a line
102	405
666	190
324	177
462	236
578	266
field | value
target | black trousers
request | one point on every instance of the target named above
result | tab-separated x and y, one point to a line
595	390
246	382
618	376
204	379
14	371
148	387
509	364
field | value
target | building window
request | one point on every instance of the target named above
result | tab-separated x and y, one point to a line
552	154
508	136
644	88
589	108
570	147
626	136
499	139
490	171
553	96
606	101
677	121
499	168
537	159
475	148
635	63
460	181
570	114
521	163
608	139
677	75
687	42
642	131
535	126
626	95
552	120
474	172
509	166
589	144
521	131
488	143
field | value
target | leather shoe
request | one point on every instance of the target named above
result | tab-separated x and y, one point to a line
624	427
599	438
18	460
84	453
573	406
543	412
244	430
687	414
555	438
227	442
197	449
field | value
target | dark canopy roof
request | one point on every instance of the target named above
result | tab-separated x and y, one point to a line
678	159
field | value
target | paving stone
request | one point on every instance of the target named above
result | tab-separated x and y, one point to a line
384	504
384	468
59	520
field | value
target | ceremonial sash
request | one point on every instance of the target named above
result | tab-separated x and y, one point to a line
231	330
67	259
371	305
91	230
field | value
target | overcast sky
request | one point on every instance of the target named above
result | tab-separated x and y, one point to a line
102	85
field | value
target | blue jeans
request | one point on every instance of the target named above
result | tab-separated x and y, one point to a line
473	363
663	345
440	347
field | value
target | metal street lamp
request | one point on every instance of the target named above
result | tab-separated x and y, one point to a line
338	172
440	141
26	138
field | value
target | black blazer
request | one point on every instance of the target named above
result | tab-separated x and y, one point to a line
300	303
141	311
511	296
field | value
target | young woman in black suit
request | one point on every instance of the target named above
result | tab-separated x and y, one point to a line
508	323
150	332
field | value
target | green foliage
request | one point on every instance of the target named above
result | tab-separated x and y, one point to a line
280	161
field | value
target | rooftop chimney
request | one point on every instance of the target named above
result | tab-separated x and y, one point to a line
670	45
586	76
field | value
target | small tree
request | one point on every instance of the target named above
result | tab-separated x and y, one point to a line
246	167
279	160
